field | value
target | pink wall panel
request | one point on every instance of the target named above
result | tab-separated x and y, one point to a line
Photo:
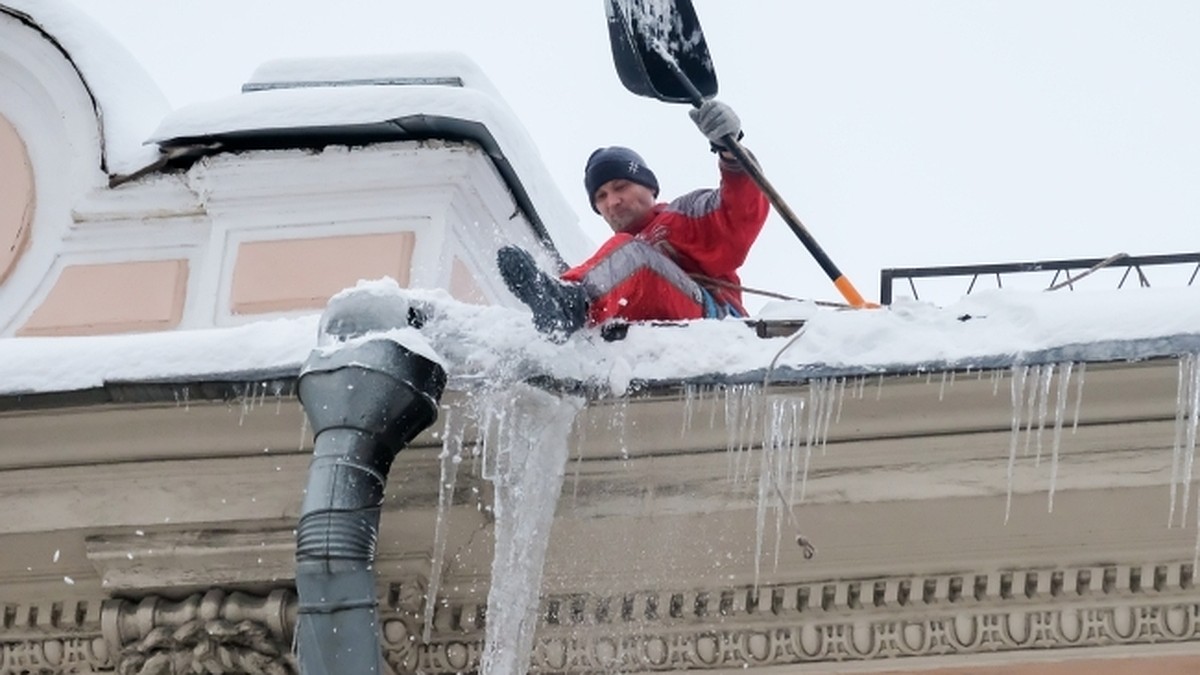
112	298
16	198
293	274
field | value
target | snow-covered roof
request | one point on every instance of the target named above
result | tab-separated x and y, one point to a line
991	329
390	97
128	102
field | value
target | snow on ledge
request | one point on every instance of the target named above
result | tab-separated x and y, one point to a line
129	101
355	91
488	344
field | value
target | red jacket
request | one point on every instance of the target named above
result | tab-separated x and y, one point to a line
709	232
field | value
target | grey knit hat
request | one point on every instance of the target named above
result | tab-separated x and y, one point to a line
614	162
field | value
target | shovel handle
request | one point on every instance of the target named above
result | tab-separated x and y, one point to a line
750	165
743	156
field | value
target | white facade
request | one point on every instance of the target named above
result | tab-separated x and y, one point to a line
150	513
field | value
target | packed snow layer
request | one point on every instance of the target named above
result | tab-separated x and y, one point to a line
988	329
351	91
129	102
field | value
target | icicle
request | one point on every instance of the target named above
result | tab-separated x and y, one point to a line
619	422
783	437
827	396
1060	414
1018	403
486	418
1031	402
760	511
747	426
798	406
816	411
841	399
451	457
581	442
1192	404
780	442
879	389
531	461
182	397
689	400
1196	551
717	393
997	376
303	429
732	414
942	388
242	403
742	412
1177	448
1047	377
1079	395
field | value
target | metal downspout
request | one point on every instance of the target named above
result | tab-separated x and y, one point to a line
365	401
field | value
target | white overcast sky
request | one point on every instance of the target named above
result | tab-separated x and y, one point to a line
902	132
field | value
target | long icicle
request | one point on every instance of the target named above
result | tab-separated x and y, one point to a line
1035	375
450	457
1181	395
1189	454
1079	395
1060	414
1047	377
1018	400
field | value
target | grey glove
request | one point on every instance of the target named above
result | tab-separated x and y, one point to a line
716	121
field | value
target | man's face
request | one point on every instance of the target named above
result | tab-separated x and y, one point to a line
622	202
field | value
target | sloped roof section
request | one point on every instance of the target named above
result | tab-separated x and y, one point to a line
128	102
311	102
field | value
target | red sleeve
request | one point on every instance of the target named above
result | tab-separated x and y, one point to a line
711	231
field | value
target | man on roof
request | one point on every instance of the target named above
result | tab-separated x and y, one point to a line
665	261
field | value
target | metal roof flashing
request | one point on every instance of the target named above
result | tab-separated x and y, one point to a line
408	128
314	103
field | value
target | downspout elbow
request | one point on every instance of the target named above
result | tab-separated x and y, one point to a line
365	401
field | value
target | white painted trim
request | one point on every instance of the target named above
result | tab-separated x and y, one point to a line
46	102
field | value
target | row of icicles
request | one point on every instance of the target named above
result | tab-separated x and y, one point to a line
788	428
771	438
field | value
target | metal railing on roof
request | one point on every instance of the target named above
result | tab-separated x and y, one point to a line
1066	273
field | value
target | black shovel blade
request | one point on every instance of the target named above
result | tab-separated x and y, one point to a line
659	50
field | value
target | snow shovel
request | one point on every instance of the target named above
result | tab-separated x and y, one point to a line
660	52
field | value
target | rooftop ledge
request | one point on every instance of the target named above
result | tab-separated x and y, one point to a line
485	346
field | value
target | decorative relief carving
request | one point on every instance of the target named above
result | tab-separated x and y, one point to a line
838	621
212	646
962	634
859	620
51	637
80	654
896	593
592	648
124	621
210	632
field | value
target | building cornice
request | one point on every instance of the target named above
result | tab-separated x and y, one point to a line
875	624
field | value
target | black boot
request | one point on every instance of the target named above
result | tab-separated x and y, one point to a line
558	308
